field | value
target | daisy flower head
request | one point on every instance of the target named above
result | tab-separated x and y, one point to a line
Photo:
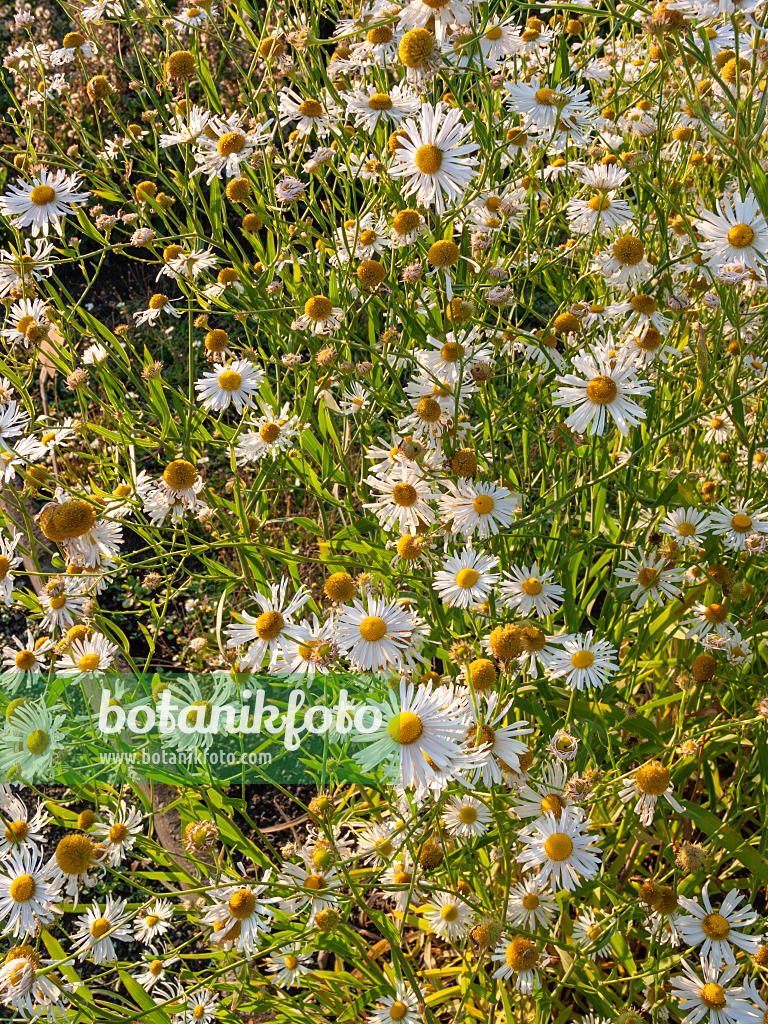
466	817
434	157
449	916
546	795
22	828
43	203
530	591
584	662
688	526
234	384
543	106
375	635
496	749
371	107
154	922
288	966
601	214
402	502
267	633
240	914
447	13
479	507
738	523
466	579
119	833
709	995
320	316
88	658
561	851
601	387
650	782
623	263
401	1008
592	936
27	900
200	1007
274	434
736	233
27	321
418	730
530	906
718	427
32	738
719	931
519	957
309	887
648	576
311	114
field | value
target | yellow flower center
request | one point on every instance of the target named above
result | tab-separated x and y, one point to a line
241	904
716	927
156	968
652	778
22	888
582	659
17	831
269	432
291	963
404	495
686	529
38	741
397	1010
152	920
318	308
494	33
467	815
740	236
552	803
643	304
379	34
521	955
741	523
314	883
42	195
428	159
373	628
230	380
231	142
311	108
180	475
405	728
532	586
118	832
647	577
269	625
598	203
451	352
429	409
601	390
713	996
466	578
546	97
628	250
89	662
449	912
380	101
558	846
531	901
483	504
100	927
715	613
74	854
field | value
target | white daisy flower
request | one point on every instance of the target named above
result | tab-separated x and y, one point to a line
546	795
287	966
479	507
32	738
322	115
419	13
530	591
601	387
22	315
240	914
88	658
602	214
153	923
584	662
371	107
376	635
402	501
119	833
236	383
448	916
271	628
44	202
717	428
709	997
561	850
433	156
623	261
27	901
466	817
650	782
647	574
688	526
738	523
737	232
320	316
592	937
518	957
275	433
718	931
313	889
96	933
495	748
466	579
419	730
22	829
530	906
401	1008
